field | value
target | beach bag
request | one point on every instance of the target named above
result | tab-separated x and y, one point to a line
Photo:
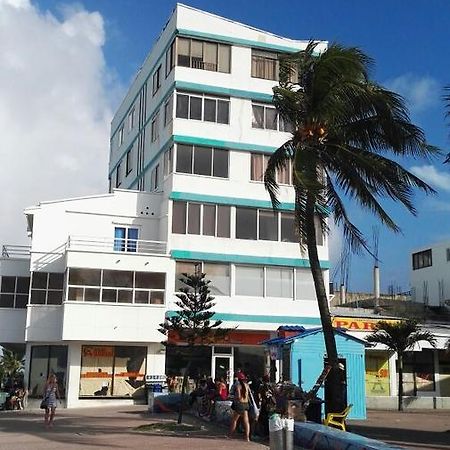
253	411
44	403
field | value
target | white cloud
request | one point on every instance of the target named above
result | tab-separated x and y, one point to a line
420	93
54	109
429	174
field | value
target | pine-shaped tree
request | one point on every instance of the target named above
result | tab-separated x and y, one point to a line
193	322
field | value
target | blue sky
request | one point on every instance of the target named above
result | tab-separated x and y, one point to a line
409	42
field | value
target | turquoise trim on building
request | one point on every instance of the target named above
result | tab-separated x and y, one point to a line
282	320
229	92
236	41
151	162
158	61
233	201
243	146
244	259
150	117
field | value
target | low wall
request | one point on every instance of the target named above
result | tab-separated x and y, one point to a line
408	403
314	436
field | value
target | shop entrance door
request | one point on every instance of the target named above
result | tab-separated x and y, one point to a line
222	367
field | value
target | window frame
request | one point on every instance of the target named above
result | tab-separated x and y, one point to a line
156	80
422	259
203	97
154	129
128	162
196	150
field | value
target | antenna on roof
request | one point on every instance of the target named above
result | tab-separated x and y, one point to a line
376	267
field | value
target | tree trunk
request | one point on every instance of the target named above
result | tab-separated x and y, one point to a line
183	392
400	382
335	378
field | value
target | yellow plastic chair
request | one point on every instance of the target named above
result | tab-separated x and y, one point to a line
337	419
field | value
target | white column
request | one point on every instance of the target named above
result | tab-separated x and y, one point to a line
436	373
393	385
156	359
73	374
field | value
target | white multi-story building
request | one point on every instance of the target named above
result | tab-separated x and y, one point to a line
189	145
430	280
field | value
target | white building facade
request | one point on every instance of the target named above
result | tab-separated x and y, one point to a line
189	145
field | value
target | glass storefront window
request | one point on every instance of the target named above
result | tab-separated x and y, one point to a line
251	360
177	359
377	374
112	371
47	359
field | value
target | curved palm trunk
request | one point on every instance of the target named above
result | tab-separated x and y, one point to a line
400	382
335	377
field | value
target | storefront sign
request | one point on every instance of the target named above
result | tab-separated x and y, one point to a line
358	324
98	351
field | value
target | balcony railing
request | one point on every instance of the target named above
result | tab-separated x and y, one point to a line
16	251
100	244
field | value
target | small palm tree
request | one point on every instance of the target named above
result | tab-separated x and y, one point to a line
11	364
343	126
400	337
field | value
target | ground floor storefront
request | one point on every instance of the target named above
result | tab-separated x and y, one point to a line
92	373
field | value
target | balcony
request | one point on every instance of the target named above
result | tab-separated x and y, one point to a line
116	245
16	251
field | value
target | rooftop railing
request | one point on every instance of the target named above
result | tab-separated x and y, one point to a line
119	245
16	251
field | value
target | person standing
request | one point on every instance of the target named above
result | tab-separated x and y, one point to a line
51	394
240	406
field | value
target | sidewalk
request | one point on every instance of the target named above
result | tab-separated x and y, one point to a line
418	430
109	427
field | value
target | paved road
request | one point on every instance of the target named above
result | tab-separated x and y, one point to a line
112	427
418	430
97	428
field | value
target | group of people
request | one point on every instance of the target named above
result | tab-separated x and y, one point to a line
252	401
16	396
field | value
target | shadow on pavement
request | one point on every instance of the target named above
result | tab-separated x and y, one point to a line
431	440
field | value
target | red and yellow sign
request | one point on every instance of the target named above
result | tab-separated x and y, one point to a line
358	324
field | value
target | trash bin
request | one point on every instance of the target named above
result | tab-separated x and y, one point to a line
313	411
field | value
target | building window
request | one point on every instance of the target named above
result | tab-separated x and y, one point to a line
170	58
118	175
203	107
156	80
265	65
125	239
131	118
249	281
14	291
46	288
168	161
448	254
288	227
121	135
116	286
128	162
154	178
267	117
112	371
199	160
45	360
280	282
168	110
304	285
154	128
204	219
419	372
258	166
203	55
422	259
246	223
268	225
218	273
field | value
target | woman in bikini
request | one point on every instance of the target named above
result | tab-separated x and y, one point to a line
240	406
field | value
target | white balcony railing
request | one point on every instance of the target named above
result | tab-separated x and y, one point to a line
101	244
16	251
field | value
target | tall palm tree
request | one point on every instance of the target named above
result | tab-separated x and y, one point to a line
446	98
343	126
400	337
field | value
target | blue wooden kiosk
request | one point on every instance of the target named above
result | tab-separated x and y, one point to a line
302	352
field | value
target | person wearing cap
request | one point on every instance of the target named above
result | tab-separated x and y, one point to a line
240	406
